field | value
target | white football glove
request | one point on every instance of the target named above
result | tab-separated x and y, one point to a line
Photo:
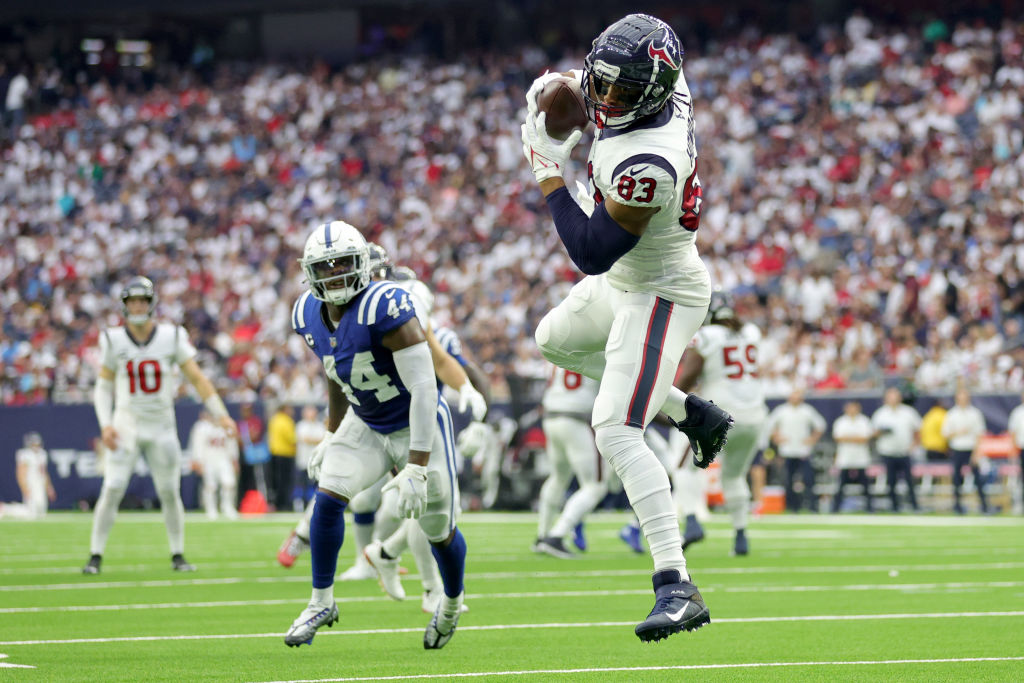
585	199
547	157
411	484
316	458
470	398
538	84
473	438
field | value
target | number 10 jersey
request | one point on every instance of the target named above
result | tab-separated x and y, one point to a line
146	374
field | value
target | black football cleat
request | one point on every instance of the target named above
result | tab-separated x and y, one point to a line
179	564
693	533
740	547
555	547
93	565
678	606
706	426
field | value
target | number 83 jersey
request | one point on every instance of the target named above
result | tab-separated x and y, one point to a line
653	164
354	355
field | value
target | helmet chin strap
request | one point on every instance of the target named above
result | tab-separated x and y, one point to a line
138	319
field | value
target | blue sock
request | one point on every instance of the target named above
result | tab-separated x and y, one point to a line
326	532
451	561
363	517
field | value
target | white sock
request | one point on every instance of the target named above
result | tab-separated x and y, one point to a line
549	503
103	518
174	520
302	528
646	484
363	534
675	404
395	544
323	597
737	501
689	487
580	504
430	576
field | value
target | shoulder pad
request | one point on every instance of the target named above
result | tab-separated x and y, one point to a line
301	311
385	304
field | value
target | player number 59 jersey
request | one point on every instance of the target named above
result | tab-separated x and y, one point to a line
146	372
654	165
730	376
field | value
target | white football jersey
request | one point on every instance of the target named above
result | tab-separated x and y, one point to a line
570	392
652	165
146	373
210	443
730	375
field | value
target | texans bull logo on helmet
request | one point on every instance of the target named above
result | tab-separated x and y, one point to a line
665	50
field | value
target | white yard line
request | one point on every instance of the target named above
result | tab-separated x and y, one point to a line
700	573
950	586
509	627
678	667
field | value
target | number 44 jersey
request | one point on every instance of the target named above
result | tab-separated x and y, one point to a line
354	355
730	376
653	164
145	374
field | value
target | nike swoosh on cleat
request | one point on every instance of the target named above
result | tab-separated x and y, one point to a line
677	615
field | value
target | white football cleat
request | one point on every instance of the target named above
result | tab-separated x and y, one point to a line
387	570
312	618
359	571
442	625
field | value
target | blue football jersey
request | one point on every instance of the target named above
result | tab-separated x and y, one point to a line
353	354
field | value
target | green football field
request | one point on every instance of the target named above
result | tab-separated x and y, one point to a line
929	598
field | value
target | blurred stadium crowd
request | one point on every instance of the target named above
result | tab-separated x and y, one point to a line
863	198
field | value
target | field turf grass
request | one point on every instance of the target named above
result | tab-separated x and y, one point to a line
852	597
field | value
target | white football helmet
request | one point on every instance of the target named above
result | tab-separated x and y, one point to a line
421	295
140	287
336	261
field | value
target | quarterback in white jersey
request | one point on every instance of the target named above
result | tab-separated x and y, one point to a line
723	358
568	402
646	291
134	402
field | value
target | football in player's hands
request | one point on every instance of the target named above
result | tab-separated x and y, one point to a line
562	101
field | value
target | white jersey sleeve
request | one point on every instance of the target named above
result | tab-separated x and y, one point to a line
184	351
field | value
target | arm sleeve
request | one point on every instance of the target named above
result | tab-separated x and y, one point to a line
416	370
595	243
103	401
